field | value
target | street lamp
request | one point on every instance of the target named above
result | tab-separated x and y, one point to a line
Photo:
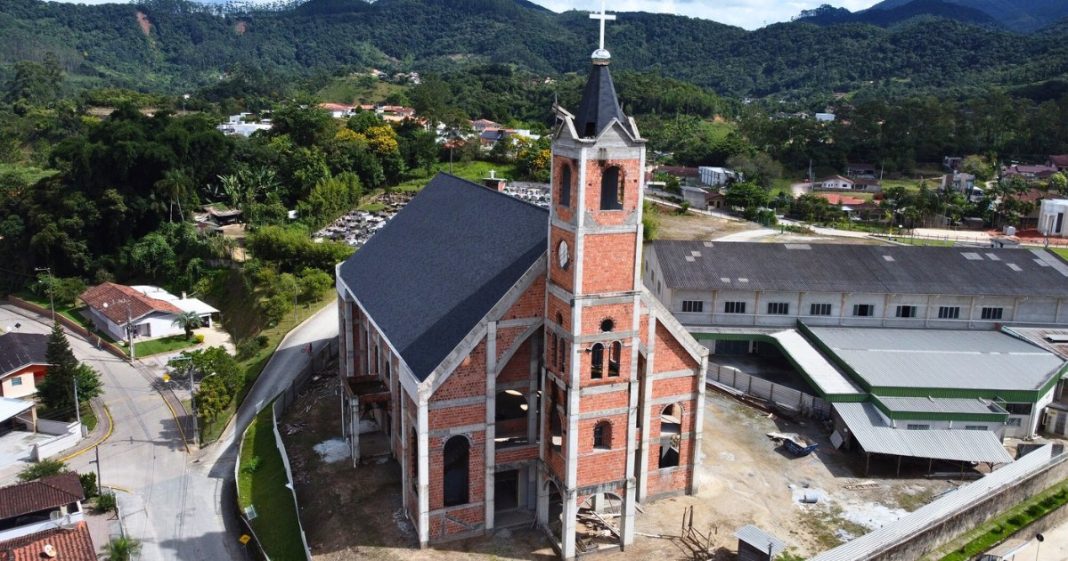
51	290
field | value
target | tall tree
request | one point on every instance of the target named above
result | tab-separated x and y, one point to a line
64	371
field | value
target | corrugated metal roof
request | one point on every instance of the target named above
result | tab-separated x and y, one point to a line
940	405
979	360
827	377
867	546
877	437
760	539
9	407
861	268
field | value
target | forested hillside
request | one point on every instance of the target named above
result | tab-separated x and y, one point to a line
173	45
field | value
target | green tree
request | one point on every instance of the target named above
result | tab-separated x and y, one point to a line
122	549
188	321
56	392
1058	182
43	468
978	166
746	195
758	168
313	282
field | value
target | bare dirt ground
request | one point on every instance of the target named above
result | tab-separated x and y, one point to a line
355	514
693	226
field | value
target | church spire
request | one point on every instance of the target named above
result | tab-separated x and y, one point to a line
599	105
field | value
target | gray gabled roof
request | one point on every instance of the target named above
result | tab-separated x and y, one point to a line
861	268
22	349
434	271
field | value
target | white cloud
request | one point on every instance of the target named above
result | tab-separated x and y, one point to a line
749	14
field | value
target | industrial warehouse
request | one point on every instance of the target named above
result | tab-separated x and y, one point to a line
930	353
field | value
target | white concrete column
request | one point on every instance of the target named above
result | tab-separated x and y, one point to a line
645	408
491	417
350	352
405	456
424	472
567	539
542	509
699	420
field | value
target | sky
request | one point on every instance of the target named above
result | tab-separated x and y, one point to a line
750	14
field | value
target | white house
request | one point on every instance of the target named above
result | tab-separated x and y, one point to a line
1051	217
716	176
840	183
236	125
148	311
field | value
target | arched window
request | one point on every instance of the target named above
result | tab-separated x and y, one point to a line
563	355
614	351
565	186
456	477
671	419
389	370
602	435
611	189
597	361
377	365
555	358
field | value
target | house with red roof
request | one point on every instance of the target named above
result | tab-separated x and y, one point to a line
67	542
148	312
1058	161
39	506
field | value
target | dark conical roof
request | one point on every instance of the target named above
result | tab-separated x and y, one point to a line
599	103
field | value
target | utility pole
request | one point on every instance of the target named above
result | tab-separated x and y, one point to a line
78	406
193	406
99	478
51	290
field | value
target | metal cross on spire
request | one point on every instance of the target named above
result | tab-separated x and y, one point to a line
601	52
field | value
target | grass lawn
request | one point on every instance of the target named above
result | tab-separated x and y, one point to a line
88	416
261	482
1009	523
1062	251
923	241
358	89
163	345
29	174
472	171
211	429
72	313
372	206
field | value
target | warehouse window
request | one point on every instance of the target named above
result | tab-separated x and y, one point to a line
819	310
992	313
734	307
778	308
1018	408
906	311
863	310
949	312
918	427
974	427
694	306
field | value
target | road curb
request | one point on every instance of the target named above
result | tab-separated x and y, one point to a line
107	435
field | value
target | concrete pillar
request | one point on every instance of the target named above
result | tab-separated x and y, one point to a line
423	432
350	352
542	507
699	424
644	410
567	538
491	417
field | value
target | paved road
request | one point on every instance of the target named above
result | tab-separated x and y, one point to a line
174	500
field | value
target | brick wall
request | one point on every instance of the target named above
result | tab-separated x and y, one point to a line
670	355
566	214
561	277
608	263
630	175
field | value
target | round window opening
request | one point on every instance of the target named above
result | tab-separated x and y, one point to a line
607	324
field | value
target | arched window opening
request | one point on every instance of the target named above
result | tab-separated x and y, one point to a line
602	435
413	447
614	353
377	364
511	419
671	419
555	358
559	318
565	186
611	189
556	430
456	477
389	370
563	355
597	361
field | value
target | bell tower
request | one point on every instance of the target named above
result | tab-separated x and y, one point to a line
590	386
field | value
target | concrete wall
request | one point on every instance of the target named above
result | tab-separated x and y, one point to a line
62	440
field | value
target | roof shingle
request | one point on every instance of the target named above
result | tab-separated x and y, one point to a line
70	545
42	494
18	350
434	271
114	294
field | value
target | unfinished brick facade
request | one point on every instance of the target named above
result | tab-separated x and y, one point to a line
576	395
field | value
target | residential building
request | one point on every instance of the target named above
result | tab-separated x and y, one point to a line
1058	161
840	183
23	363
1028	171
146	312
509	357
1051	217
711	176
40	505
68	542
241	125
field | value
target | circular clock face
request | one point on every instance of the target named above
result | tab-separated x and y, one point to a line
563	255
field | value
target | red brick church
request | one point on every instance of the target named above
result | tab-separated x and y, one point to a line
510	359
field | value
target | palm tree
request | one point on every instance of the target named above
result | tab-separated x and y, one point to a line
122	549
188	321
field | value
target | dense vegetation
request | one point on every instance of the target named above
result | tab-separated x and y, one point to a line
172	45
